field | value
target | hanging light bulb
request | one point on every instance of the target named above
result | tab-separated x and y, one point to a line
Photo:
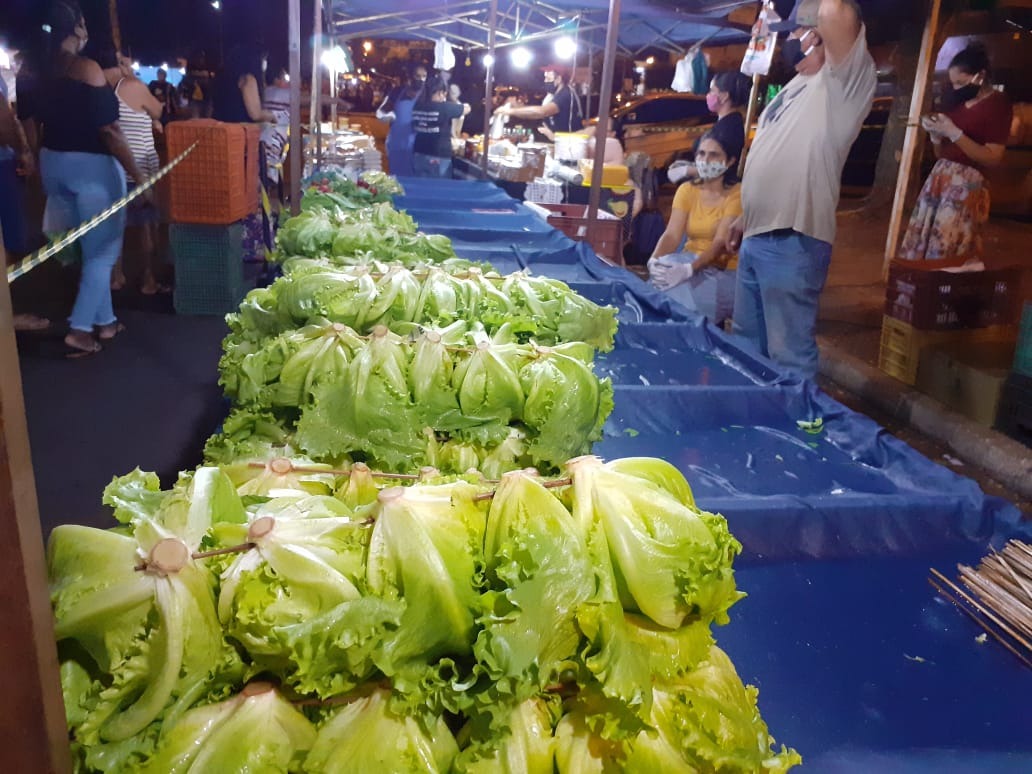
565	47
521	57
489	60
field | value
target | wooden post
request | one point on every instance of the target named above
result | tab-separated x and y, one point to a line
294	51
489	86
33	731
750	116
605	99
914	136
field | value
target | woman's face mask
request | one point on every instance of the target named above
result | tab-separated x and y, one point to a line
713	101
965	93
710	170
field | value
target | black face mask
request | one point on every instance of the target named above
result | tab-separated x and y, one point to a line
792	53
957	97
552	87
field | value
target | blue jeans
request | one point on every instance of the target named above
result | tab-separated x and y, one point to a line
79	186
780	278
431	166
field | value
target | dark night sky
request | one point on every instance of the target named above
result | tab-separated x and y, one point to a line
160	30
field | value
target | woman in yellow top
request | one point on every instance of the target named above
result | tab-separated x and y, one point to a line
701	276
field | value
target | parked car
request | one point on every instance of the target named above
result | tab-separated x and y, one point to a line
667	124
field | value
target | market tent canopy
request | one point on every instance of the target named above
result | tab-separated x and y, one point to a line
661	24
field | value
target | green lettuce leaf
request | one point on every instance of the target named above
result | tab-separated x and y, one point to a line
538	574
366	736
671	562
708	722
566	403
425	549
257	730
521	744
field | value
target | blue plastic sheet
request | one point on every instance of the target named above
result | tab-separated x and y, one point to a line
859	665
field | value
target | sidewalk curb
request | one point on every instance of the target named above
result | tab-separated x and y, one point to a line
1003	458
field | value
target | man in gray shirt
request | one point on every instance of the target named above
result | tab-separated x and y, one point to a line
790	189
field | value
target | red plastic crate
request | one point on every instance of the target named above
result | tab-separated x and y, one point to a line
605	237
217	183
936	300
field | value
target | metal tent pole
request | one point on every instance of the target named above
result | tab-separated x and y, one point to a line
294	49
315	110
489	84
605	98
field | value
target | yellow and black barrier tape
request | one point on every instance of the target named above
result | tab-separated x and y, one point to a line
30	262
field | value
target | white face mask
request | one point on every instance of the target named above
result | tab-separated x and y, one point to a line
709	170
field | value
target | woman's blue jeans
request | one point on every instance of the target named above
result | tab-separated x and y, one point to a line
79	186
780	278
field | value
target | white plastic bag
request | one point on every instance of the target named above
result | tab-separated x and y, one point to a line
444	57
760	51
682	75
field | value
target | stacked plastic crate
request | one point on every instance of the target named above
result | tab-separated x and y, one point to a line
210	193
951	334
1015	414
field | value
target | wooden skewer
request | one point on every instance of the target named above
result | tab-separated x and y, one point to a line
554	484
985	627
987	613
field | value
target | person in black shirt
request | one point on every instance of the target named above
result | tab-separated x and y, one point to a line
163	92
431	122
561	110
727	97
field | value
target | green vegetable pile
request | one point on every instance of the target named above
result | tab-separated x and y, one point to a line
403	356
366	576
296	619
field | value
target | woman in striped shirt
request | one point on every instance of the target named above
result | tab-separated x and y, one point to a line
139	115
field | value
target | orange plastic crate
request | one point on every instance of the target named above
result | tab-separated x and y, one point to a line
217	183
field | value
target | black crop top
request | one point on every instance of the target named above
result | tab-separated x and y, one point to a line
72	114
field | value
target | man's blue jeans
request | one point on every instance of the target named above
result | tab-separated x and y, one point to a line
780	278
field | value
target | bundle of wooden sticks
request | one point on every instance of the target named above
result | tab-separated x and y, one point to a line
998	596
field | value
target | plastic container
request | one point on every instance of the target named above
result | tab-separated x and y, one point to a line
209	268
218	182
613	175
1023	351
605	237
899	353
570	146
544	191
936	300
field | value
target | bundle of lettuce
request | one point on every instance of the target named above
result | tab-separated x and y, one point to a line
295	619
332	187
324	230
455	397
381	293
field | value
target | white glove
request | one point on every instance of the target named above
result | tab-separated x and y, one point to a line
679	171
666	276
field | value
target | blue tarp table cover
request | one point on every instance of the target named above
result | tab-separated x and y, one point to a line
859	665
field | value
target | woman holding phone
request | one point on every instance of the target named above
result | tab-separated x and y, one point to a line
969	137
